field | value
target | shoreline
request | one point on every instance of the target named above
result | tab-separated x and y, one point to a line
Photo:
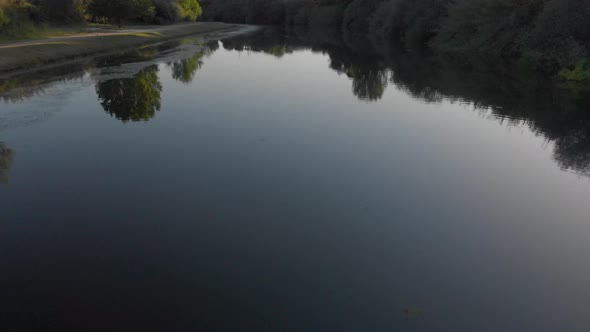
22	56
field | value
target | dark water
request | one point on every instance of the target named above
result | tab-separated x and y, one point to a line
292	182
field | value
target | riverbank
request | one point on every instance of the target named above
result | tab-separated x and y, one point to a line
25	54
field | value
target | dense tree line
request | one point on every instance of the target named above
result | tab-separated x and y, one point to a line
547	34
20	14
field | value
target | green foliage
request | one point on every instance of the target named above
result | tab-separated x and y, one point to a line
580	72
17	22
123	10
59	11
548	34
169	11
190	9
4	19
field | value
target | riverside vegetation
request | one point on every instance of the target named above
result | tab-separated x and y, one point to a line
552	36
549	36
30	18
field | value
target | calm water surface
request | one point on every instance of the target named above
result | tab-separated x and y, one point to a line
292	182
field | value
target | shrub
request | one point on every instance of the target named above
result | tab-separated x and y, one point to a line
4	19
166	11
580	72
60	11
123	10
190	9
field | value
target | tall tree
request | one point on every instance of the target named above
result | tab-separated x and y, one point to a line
122	10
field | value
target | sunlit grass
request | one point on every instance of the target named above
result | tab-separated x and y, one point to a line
25	32
25	54
146	34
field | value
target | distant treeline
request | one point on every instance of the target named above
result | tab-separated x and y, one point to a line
549	34
18	14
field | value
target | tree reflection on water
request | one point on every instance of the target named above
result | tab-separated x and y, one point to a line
507	92
6	158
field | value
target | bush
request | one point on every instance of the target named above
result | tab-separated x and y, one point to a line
123	10
4	19
59	11
166	11
580	72
190	9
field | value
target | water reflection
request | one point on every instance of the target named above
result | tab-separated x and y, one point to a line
184	70
132	99
128	86
508	92
289	210
6	157
24	87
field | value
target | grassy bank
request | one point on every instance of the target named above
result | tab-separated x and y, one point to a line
26	54
41	31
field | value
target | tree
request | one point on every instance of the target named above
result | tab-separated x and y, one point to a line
122	10
190	9
132	99
561	33
4	19
61	11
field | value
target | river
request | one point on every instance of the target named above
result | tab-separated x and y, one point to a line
292	181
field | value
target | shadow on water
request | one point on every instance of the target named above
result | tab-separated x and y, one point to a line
6	158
